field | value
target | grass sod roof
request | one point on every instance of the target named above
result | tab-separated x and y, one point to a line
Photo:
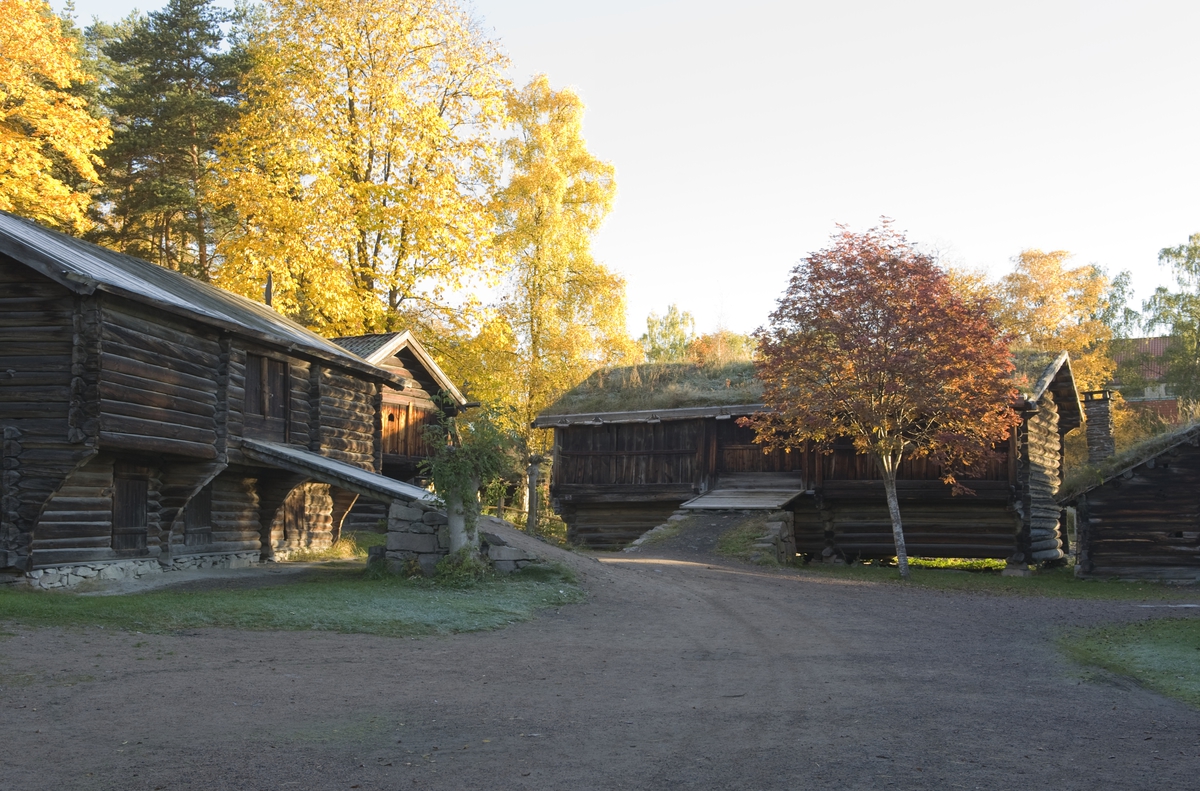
679	385
1087	477
661	386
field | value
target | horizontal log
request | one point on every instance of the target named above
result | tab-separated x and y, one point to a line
145	444
158	373
49	538
138	356
47	558
123	424
196	419
126	387
156	326
34	394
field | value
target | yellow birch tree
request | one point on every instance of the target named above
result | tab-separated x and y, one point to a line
561	313
47	136
1048	306
363	166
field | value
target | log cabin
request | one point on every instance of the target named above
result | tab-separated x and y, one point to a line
1138	517
407	410
617	473
152	421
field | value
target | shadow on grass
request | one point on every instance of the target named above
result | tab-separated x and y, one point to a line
338	597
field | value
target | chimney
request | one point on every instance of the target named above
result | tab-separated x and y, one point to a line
1097	408
269	290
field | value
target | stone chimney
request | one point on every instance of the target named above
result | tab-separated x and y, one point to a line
1097	408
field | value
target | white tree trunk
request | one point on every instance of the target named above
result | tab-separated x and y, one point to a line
457	507
889	487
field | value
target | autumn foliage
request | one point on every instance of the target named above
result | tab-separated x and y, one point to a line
48	139
870	341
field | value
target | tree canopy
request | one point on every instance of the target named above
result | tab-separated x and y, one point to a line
173	88
1178	311
362	168
48	139
560	313
667	337
870	341
1046	305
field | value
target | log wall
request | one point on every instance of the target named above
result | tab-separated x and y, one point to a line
1145	523
158	385
347	418
235	517
631	454
1040	476
613	525
861	528
48	374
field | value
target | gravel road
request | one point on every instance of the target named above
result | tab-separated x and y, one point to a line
680	671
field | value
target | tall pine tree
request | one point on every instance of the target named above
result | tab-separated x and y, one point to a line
177	91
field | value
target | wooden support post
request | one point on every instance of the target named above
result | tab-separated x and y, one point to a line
534	472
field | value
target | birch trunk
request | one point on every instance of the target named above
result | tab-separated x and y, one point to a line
889	487
461	535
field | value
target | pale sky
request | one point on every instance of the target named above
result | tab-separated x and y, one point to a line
743	132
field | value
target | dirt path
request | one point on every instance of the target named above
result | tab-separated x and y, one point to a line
681	671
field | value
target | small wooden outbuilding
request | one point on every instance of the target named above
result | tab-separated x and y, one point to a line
407	409
151	420
1140	518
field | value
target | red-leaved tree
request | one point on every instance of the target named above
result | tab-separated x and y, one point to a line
870	341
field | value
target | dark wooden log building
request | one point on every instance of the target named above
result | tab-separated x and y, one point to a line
407	410
151	418
1141	518
617	473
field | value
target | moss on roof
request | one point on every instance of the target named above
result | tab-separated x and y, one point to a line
661	386
1087	477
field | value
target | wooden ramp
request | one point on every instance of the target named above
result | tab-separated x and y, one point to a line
749	492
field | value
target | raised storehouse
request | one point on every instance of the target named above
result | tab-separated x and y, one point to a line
618	472
1139	517
631	445
151	420
408	408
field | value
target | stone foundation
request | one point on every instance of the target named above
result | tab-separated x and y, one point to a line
68	576
417	533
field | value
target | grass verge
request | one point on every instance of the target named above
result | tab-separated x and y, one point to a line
1163	654
1060	583
338	597
738	542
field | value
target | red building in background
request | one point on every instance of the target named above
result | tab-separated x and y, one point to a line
1149	357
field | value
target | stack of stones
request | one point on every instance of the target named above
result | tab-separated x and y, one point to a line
419	533
1097	407
68	576
780	537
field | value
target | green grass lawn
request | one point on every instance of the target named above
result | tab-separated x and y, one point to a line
335	597
1163	655
985	578
738	542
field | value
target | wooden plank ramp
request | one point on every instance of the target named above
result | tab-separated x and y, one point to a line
749	492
